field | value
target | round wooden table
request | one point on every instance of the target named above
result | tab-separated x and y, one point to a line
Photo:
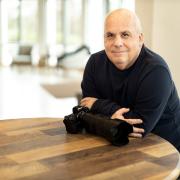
40	148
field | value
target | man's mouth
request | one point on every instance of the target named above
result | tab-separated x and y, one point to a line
118	53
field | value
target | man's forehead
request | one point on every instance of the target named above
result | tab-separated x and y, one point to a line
123	19
120	17
116	26
119	28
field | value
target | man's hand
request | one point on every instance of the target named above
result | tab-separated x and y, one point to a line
88	102
137	132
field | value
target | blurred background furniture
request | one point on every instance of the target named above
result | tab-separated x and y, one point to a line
75	59
26	55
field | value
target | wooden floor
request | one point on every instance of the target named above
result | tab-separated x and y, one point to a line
22	94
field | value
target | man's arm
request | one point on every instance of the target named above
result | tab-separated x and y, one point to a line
152	98
153	92
119	114
101	106
88	102
91	98
89	89
137	132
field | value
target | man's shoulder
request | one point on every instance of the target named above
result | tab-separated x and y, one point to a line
99	54
154	59
151	62
99	57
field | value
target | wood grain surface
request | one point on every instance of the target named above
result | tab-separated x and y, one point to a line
40	148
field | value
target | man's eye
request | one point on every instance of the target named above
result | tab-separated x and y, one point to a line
109	35
126	35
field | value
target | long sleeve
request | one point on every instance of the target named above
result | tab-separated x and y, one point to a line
89	89
88	85
105	106
152	97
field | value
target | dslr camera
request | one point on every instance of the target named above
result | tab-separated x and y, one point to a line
114	130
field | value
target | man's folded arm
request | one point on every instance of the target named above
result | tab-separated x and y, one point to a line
151	100
104	106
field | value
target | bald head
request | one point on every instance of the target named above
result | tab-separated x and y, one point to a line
124	15
123	38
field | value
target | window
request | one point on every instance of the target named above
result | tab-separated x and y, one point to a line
29	21
69	22
74	26
59	14
114	4
13	21
22	21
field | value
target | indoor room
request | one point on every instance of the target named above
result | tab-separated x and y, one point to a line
45	46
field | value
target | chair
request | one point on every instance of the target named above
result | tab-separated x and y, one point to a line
24	55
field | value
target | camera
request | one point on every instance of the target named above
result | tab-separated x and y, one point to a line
73	122
114	130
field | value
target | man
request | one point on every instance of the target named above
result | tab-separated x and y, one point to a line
130	82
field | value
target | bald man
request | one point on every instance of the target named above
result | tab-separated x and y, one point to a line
128	81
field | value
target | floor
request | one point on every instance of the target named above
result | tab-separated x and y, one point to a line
24	92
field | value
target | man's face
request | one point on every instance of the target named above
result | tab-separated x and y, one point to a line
122	41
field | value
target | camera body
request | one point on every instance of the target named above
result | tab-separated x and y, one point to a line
73	122
114	130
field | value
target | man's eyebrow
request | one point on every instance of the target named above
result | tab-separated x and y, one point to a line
109	32
125	31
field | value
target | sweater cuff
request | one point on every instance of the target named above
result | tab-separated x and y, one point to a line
105	107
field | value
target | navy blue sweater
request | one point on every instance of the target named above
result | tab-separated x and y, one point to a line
146	88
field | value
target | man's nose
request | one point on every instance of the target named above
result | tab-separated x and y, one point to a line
118	41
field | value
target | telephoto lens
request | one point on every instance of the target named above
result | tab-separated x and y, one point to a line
114	130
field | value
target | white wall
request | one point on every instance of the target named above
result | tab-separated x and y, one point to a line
166	35
145	12
161	23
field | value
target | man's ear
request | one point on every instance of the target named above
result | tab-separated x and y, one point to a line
141	39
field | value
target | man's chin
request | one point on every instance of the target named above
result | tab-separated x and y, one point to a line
121	66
